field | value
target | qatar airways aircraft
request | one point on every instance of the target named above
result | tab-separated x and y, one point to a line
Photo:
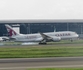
41	38
3	38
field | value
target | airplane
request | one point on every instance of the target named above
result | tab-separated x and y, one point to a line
3	38
41	38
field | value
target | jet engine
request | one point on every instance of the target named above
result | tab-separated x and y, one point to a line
56	39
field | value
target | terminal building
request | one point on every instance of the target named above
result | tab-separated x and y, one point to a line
35	26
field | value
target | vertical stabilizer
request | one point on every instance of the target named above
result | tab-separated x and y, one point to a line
11	31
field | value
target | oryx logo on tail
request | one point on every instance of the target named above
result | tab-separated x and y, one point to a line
11	31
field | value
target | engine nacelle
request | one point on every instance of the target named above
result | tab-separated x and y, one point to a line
56	39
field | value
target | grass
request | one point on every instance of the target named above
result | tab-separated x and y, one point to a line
39	51
55	69
56	50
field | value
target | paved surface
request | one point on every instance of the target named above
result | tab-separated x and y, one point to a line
55	45
25	63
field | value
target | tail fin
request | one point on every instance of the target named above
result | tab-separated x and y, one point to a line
11	31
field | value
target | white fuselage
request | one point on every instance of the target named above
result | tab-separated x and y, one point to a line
37	36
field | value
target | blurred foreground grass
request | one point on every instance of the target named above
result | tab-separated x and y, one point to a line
40	51
59	49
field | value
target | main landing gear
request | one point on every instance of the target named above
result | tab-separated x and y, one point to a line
42	43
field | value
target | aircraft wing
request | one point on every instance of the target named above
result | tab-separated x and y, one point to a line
45	37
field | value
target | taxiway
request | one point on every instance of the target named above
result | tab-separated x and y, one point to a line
25	63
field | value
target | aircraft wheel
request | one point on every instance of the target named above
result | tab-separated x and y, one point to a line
42	43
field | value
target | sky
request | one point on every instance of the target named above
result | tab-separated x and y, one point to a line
41	9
